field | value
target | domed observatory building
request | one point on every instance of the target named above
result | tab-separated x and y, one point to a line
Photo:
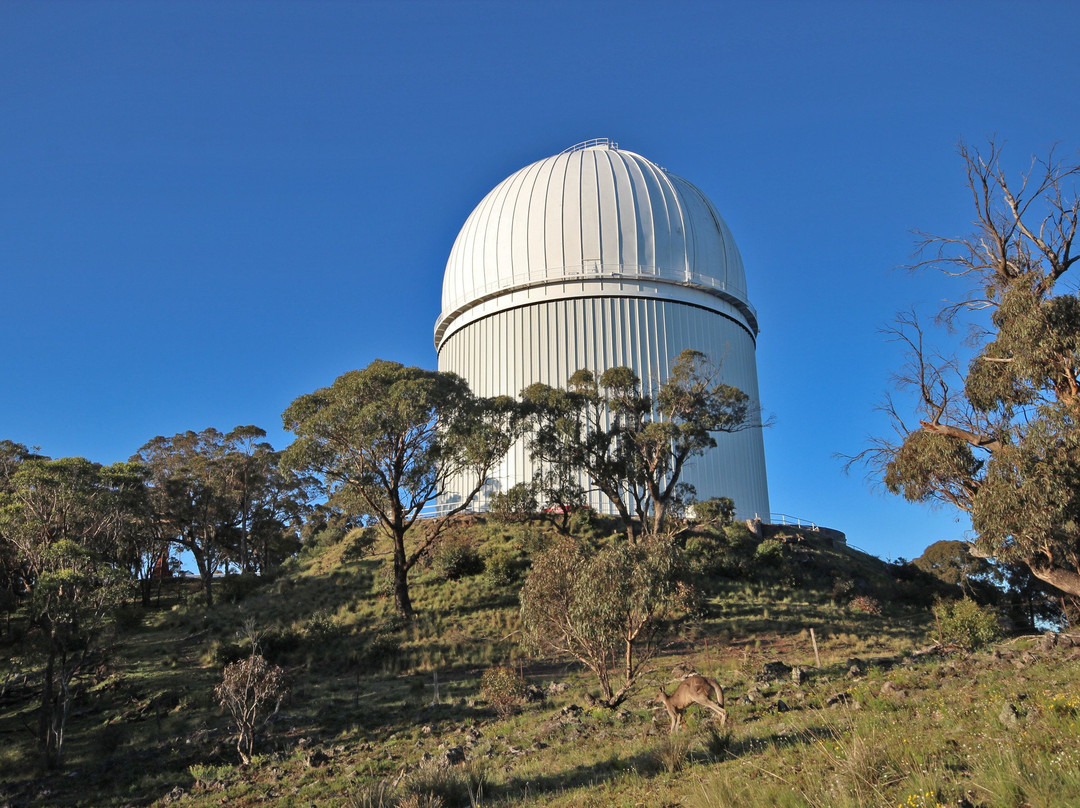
594	258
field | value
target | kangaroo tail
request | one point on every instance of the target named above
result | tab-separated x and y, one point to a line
719	691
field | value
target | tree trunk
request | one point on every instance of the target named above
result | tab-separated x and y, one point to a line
205	574
48	705
402	601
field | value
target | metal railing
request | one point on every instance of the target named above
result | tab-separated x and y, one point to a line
791	521
588	144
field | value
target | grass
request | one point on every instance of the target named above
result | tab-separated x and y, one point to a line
361	726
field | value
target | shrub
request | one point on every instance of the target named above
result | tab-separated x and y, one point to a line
610	609
455	559
709	555
738	536
238	587
769	551
384	650
503	689
248	688
718	511
966	623
865	604
321	628
588	524
517	504
500	569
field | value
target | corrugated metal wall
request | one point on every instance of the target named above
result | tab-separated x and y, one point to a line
506	351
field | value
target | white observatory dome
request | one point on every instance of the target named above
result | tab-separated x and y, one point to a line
591	213
593	258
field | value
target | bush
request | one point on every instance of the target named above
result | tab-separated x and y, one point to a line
238	587
588	524
248	689
865	604
709	555
500	569
966	623
739	537
769	551
455	559
517	504
718	511
503	689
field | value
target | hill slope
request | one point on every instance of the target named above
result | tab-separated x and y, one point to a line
385	713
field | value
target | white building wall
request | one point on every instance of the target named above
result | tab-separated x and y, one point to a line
547	342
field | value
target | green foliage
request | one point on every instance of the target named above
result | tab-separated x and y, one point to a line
716	511
63	523
518	504
586	523
500	569
629	446
219	497
397	438
953	563
503	689
455	559
998	435
966	623
769	551
610	608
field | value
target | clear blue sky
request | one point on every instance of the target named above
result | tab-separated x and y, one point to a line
210	208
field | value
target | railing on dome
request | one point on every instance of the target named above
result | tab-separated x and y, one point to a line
588	144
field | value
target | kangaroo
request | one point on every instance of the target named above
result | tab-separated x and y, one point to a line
693	690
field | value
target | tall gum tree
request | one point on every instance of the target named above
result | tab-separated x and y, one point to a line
65	519
633	447
219	497
397	439
998	436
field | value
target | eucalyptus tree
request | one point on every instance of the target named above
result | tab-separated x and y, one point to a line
12	567
998	436
399	439
611	609
65	519
213	493
633	446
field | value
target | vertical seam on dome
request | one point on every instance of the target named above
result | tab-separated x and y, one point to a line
689	231
524	174
544	189
562	212
639	209
663	181
618	213
599	215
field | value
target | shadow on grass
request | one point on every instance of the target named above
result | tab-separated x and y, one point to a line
665	755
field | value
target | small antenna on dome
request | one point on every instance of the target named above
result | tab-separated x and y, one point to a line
594	143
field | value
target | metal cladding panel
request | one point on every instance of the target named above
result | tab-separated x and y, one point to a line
505	352
593	212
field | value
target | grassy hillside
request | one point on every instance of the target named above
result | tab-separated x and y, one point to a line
874	724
